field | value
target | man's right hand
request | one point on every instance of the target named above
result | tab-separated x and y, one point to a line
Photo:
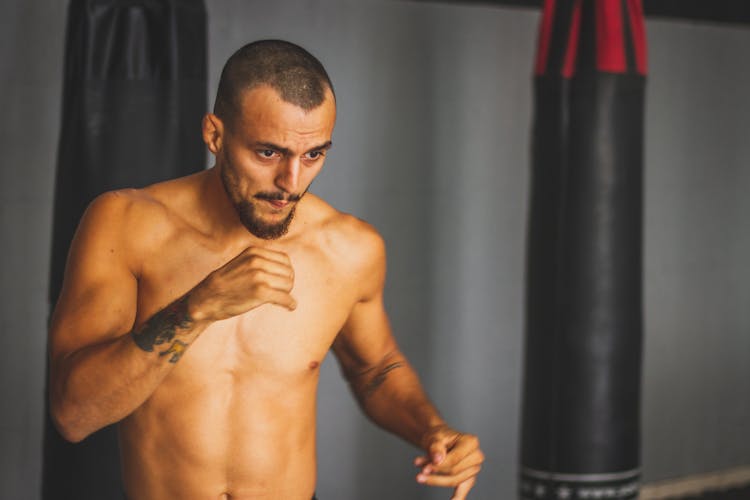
256	276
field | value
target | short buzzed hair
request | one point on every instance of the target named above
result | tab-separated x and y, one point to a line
293	72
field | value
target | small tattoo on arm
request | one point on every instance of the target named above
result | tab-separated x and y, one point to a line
379	378
162	327
177	349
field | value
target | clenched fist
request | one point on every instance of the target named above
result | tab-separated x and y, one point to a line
256	276
453	459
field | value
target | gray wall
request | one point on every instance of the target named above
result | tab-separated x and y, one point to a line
696	399
431	147
30	85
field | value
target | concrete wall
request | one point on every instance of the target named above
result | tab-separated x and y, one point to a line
696	394
31	49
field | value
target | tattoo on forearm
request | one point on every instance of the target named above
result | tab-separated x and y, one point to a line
379	378
162	327
177	349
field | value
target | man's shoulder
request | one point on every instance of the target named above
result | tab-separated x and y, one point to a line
127	209
151	208
348	238
135	221
335	224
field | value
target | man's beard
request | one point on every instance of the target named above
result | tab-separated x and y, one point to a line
246	210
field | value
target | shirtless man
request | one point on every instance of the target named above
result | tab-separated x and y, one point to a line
196	312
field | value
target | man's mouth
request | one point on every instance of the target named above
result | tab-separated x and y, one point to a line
278	203
277	200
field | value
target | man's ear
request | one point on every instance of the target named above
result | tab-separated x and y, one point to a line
213	132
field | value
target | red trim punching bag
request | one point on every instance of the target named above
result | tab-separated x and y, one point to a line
581	395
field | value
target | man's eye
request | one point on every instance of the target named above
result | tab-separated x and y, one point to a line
314	155
267	153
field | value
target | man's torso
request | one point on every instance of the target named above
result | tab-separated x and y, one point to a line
235	418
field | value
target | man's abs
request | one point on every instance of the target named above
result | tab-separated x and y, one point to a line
226	423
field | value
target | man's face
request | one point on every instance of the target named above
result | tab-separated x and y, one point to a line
270	155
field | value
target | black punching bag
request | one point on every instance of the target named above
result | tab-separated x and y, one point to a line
134	94
581	396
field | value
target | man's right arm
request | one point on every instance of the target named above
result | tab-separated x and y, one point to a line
101	368
99	372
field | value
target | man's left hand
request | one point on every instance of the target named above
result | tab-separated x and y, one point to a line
453	459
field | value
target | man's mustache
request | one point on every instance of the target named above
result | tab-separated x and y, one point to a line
278	197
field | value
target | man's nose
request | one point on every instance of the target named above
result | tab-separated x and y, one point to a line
287	177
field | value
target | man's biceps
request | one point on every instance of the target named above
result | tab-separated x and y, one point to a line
354	355
368	317
344	351
99	297
92	316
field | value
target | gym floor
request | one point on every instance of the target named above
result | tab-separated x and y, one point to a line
742	493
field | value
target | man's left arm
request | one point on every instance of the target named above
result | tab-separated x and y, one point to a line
389	392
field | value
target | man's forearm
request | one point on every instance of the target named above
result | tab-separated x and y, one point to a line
392	396
101	384
162	328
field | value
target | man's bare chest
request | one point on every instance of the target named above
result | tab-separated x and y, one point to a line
268	337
